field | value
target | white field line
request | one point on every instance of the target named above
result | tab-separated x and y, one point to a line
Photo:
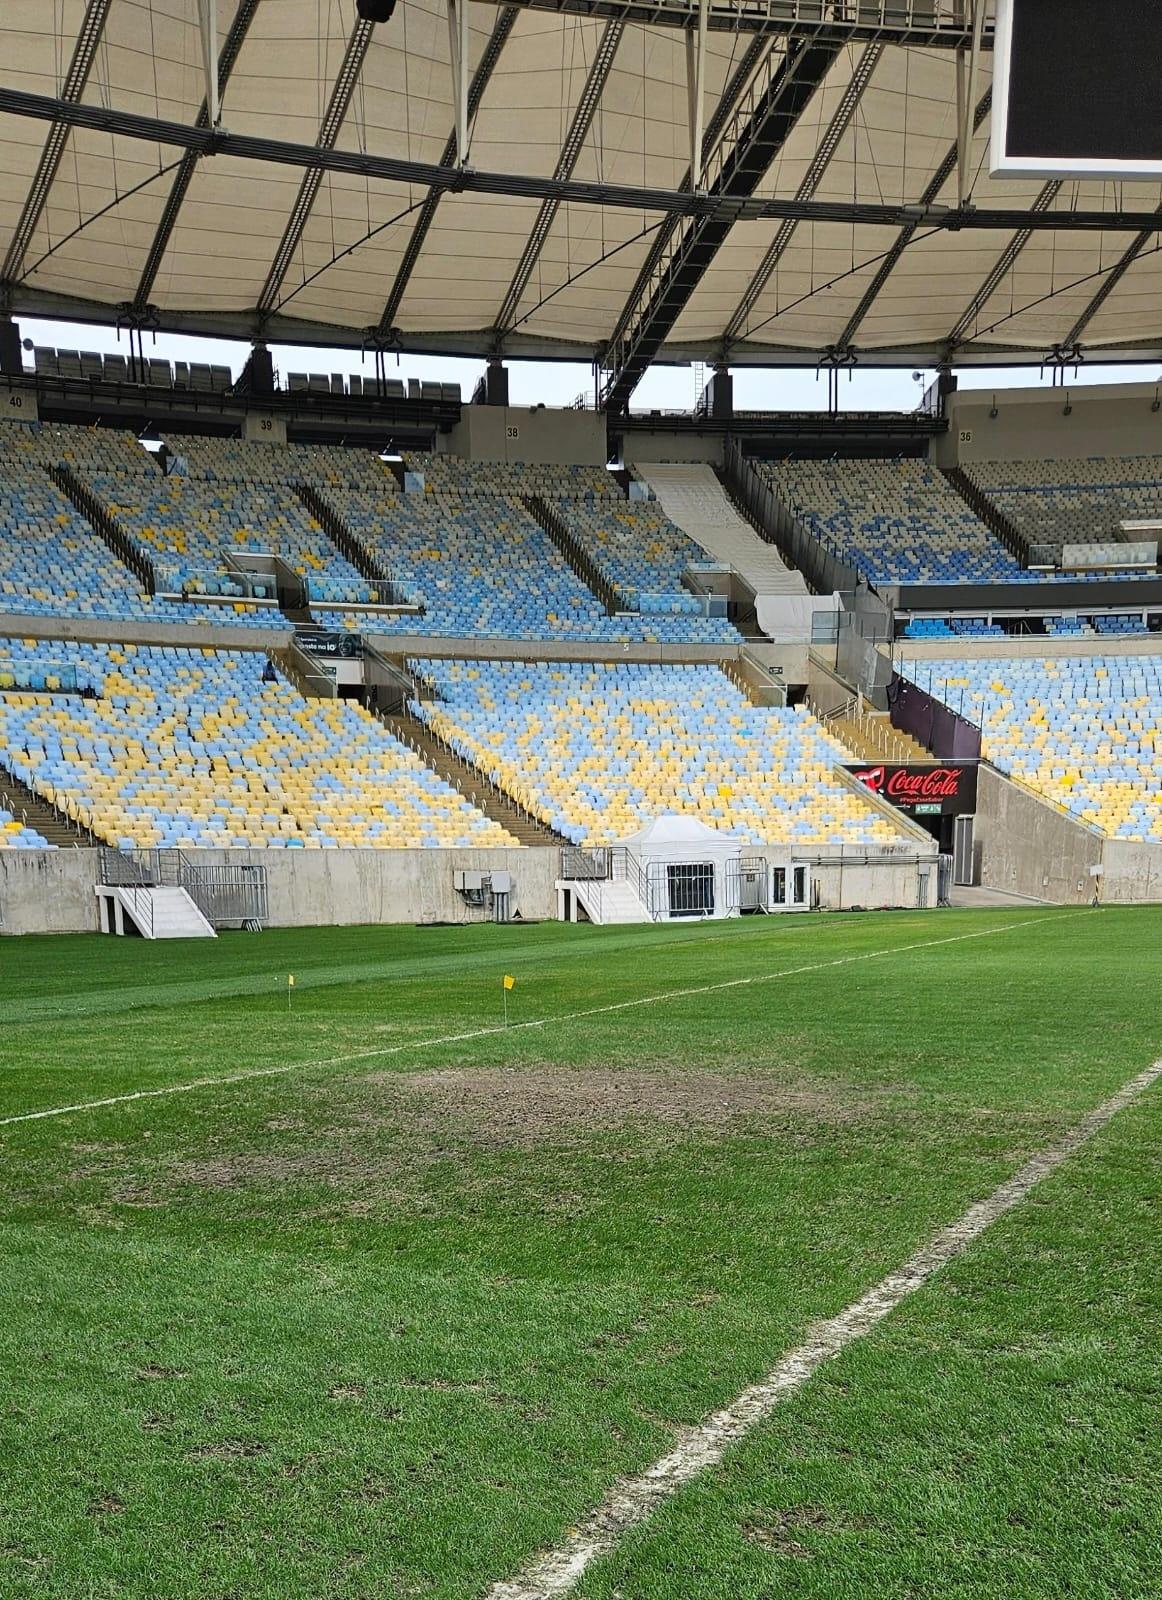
633	1499
382	1051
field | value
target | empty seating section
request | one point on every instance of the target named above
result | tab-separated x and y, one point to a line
481	566
90	449
188	527
597	751
1074	502
188	747
1084	730
445	474
252	461
637	549
52	563
896	522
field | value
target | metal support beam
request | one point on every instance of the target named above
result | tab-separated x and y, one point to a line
1112	279
501	28
1004	264
84	53
756	52
333	119
824	152
716	204
901	22
458	55
235	39
566	163
696	89
772	115
208	23
908	232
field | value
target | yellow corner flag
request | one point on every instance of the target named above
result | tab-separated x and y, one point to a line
509	982
290	982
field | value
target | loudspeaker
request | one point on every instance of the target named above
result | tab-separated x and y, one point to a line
375	10
11	361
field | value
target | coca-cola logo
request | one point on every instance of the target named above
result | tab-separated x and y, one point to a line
911	786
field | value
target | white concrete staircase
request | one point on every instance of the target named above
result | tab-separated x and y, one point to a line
692	497
155	913
607	901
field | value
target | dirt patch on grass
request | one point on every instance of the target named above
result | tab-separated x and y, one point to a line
399	1125
500	1108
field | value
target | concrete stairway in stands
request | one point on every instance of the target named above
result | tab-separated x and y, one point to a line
53	826
473	784
871	737
694	499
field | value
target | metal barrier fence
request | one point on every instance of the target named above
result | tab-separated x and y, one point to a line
225	894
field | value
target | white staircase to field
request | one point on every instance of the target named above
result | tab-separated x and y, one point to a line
607	900
156	913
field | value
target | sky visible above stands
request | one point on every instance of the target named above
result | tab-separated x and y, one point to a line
559	383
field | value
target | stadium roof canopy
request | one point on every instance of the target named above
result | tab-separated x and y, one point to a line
330	205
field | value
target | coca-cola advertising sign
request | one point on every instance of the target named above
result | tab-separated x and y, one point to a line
948	789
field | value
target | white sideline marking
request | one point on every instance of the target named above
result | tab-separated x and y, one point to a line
633	1499
541	1022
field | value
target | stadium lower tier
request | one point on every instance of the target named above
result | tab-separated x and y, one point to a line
1086	731
152	747
597	752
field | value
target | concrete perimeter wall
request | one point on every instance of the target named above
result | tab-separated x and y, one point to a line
1133	872
52	891
1026	846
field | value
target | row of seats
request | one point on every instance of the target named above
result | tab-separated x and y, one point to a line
184	747
447	474
599	751
1084	730
953	628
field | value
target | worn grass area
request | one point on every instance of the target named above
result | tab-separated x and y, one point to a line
385	1323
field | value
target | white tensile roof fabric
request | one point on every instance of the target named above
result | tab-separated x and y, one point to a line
92	238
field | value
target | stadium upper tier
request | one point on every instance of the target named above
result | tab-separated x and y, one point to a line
896	522
1084	730
598	751
1073	502
187	747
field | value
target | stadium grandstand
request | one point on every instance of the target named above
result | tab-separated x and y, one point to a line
658	864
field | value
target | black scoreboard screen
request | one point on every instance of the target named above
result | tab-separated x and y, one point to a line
1077	89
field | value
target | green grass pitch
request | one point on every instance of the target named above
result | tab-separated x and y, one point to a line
386	1323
